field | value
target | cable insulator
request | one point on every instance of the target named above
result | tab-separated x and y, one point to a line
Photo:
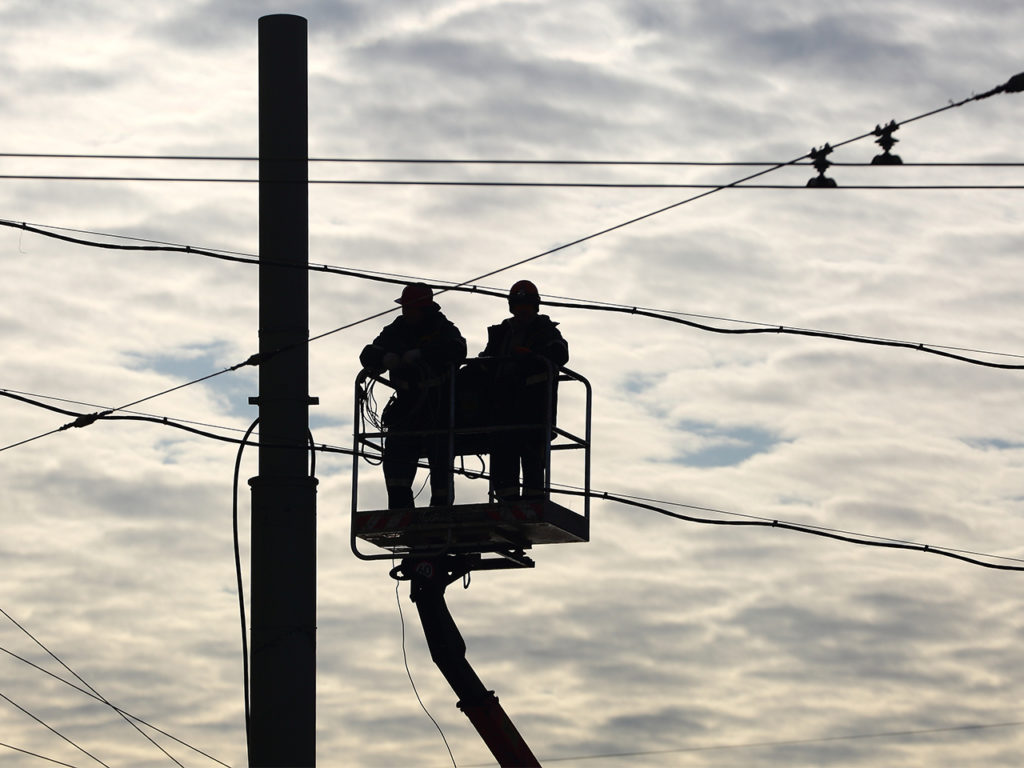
1015	84
886	141
821	164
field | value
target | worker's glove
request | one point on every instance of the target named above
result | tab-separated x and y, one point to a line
412	357
391	361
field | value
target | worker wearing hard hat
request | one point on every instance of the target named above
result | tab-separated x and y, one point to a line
419	349
530	349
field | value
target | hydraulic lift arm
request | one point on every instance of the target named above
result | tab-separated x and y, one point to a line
429	578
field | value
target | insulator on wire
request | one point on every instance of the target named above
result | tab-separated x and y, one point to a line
886	141
1015	84
821	164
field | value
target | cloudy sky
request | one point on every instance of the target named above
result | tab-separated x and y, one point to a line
677	643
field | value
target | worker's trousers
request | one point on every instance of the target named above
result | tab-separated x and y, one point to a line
402	452
509	451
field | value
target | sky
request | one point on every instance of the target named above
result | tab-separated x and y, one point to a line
661	642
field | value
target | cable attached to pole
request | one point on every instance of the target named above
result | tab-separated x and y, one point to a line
238	575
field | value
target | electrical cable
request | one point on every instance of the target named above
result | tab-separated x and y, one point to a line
638	501
20	397
35	755
963	555
163	420
817	527
408	671
87	685
845	536
26	397
861	539
82	156
665	315
255	359
481	161
238	574
967	556
151	245
780	743
940	351
1014	85
312	454
241	589
53	730
178	424
525	184
89	693
85	420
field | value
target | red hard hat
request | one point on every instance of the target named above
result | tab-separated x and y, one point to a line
415	294
524	292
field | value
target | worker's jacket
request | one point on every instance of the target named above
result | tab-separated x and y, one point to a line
422	387
523	382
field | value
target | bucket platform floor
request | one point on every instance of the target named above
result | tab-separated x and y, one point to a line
469	528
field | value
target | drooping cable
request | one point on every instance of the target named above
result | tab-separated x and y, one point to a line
85	420
241	588
408	672
947	351
150	245
828	533
1013	85
761	518
172	422
644	502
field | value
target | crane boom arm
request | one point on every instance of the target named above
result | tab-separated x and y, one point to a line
448	650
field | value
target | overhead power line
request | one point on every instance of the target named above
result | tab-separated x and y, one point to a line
523	184
399	279
946	351
96	694
185	425
828	533
15	394
52	729
120	711
783	743
1014	85
36	755
85	420
654	505
498	161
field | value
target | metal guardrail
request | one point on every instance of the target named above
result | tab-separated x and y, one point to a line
465	439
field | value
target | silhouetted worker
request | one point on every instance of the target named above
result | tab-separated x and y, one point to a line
525	383
418	350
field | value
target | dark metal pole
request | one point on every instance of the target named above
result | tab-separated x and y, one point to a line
282	728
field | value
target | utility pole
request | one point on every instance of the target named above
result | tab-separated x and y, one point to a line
282	727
